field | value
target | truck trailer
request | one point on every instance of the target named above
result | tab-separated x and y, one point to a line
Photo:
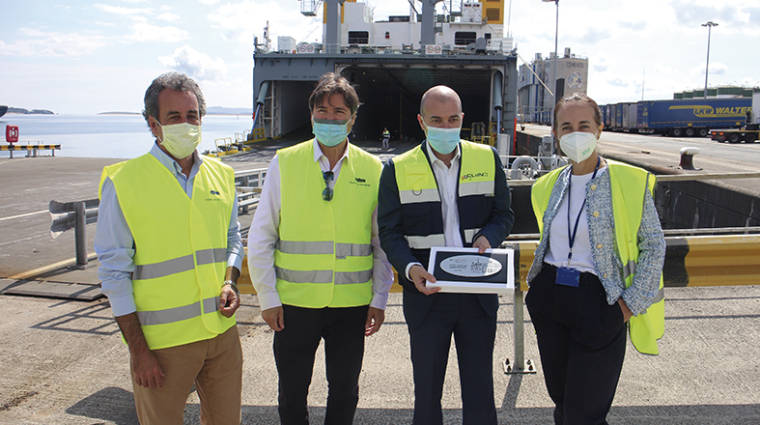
678	117
749	133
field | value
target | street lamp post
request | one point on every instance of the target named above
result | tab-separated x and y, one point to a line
554	61
709	25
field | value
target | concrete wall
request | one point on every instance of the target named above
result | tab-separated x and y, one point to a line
685	205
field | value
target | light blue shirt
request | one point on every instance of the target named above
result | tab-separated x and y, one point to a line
114	243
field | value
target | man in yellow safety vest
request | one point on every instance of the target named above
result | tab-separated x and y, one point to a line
170	254
315	257
445	192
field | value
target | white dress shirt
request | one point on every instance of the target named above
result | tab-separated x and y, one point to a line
264	234
559	243
446	178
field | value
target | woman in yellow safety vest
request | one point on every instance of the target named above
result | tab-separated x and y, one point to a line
597	268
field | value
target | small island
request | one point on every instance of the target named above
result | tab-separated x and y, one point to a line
13	110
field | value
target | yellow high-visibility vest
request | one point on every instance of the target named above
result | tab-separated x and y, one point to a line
417	184
324	254
180	247
627	207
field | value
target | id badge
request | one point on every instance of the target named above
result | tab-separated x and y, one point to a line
568	276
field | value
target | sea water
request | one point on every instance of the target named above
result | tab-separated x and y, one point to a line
109	136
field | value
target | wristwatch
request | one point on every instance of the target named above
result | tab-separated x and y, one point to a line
233	284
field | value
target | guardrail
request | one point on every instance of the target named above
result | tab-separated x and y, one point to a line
249	184
31	150
74	215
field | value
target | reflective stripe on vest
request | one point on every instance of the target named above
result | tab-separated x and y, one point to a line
476	188
324	255
411	196
176	314
180	247
438	239
342	250
425	242
629	269
323	276
648	327
179	265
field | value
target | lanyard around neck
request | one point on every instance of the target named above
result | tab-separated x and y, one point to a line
571	235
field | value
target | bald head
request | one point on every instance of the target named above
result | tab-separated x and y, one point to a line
440	95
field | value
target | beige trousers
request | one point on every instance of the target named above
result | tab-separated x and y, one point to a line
214	365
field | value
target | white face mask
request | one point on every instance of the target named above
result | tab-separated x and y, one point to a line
180	139
578	145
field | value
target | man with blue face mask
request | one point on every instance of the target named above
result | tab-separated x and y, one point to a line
170	255
315	257
445	192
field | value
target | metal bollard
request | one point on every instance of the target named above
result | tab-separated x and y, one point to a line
520	365
687	158
80	238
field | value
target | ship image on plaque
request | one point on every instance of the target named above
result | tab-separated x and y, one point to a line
464	270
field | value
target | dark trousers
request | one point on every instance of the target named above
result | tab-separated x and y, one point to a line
474	332
294	349
581	340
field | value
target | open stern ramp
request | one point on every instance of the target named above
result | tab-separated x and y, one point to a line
390	88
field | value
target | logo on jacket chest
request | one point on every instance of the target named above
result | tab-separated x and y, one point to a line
213	195
359	181
469	176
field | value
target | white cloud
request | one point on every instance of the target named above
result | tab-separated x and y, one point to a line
119	10
208	2
168	17
143	30
195	64
240	21
45	43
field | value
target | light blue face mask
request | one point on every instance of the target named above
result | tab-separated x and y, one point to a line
443	140
330	132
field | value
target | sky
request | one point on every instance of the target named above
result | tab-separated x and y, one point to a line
85	57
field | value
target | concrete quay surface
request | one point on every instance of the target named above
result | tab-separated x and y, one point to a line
65	362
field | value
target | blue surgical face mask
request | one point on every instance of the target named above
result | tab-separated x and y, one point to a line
330	132
443	140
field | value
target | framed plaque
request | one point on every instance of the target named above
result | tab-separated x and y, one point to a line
464	270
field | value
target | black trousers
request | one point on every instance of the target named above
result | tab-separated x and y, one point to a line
462	316
581	340
294	350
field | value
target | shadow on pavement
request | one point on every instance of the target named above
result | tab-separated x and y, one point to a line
116	405
110	404
94	319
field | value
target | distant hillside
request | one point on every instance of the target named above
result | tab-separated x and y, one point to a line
28	111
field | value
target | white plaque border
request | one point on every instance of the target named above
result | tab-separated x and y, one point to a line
473	287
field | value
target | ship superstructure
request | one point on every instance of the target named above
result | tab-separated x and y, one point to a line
459	43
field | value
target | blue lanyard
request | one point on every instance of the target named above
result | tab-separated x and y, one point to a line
571	235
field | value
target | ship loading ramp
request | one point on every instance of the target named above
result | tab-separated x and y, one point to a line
390	87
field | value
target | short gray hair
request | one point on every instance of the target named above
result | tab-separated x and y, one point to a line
173	81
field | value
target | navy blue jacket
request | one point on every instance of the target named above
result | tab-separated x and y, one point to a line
492	214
